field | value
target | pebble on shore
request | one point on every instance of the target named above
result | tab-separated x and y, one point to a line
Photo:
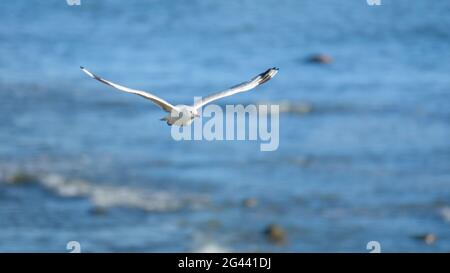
275	233
20	178
250	202
428	238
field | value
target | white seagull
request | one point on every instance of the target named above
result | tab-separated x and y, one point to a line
182	115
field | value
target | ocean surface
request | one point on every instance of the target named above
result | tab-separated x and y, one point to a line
364	141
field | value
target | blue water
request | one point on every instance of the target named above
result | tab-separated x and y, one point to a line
369	161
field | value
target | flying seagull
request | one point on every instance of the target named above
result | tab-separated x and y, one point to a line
184	114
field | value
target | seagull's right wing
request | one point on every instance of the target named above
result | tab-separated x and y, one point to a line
160	102
242	87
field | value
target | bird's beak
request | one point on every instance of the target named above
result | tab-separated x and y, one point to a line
197	115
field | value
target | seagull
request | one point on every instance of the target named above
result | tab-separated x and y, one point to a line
182	115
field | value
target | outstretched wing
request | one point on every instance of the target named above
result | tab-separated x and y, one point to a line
160	102
245	86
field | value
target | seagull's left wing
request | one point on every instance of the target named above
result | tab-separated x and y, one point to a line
157	100
245	86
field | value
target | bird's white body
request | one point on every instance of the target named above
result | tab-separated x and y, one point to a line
182	115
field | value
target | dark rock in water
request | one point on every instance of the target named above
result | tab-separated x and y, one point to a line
250	202
98	210
275	233
428	238
320	59
213	224
21	178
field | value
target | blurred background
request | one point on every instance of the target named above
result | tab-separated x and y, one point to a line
364	149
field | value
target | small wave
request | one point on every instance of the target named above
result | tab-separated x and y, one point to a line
106	196
290	107
445	214
211	248
205	244
304	108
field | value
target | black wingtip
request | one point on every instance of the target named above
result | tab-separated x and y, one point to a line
275	68
267	75
81	67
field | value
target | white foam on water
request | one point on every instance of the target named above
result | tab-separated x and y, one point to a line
211	248
103	196
205	244
445	213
